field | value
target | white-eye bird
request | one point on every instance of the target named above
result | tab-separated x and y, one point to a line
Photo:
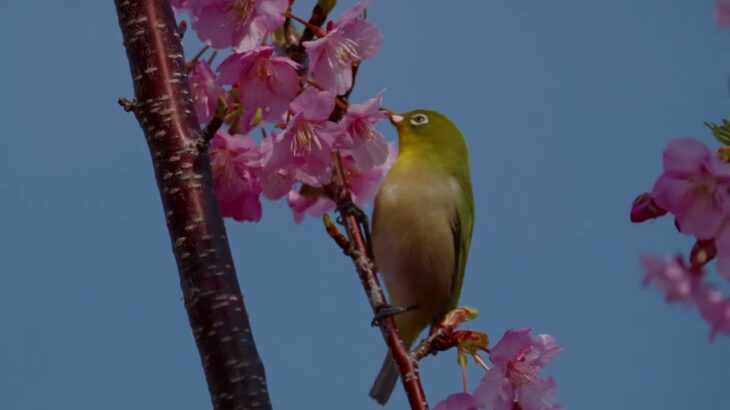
422	226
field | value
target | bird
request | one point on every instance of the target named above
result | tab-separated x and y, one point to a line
423	219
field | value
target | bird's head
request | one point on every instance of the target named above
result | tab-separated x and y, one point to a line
427	130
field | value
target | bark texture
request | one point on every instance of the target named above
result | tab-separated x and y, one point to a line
213	300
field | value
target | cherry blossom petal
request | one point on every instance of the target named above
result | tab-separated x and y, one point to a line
685	157
495	391
670	277
458	401
715	309
513	343
538	395
314	104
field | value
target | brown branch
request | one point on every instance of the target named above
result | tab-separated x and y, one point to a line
321	10
357	249
213	300
444	336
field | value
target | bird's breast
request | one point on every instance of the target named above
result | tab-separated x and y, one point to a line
413	240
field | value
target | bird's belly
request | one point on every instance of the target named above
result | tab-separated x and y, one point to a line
414	249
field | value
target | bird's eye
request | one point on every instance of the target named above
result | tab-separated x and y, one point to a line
419	119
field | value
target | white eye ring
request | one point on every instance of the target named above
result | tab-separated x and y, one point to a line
419	119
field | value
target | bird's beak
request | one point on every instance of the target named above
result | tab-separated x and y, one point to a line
394	118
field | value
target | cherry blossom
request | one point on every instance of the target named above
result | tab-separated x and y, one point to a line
301	152
350	40
722	13
518	359
694	187
237	23
205	90
670	276
264	81
458	401
715	309
369	147
235	159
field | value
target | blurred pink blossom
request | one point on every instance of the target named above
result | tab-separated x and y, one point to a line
722	13
235	159
715	309
350	40
670	276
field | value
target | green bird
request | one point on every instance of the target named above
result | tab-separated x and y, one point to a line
422	226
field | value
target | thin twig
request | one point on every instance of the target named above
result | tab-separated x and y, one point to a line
358	251
182	27
128	106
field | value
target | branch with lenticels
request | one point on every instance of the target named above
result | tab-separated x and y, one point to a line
213	299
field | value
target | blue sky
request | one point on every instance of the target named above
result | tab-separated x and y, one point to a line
566	105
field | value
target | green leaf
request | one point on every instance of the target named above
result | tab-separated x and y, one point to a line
721	132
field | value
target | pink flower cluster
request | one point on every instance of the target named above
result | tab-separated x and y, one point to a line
290	102
514	382
695	188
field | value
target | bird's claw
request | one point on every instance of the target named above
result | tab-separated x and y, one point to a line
384	311
350	208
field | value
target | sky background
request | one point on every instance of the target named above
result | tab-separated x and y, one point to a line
567	106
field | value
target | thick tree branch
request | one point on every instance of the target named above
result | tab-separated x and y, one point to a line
357	249
213	300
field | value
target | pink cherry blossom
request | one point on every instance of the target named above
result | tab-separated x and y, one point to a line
235	160
350	40
238	23
363	185
302	203
715	309
205	90
518	359
694	187
458	401
722	13
368	145
302	151
671	277
265	81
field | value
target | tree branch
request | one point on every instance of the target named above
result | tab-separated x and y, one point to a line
356	247
213	300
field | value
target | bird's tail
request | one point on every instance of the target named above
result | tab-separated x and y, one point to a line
385	382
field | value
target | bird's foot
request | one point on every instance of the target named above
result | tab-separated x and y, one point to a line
383	311
349	208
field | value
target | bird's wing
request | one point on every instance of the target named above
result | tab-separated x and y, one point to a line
461	228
